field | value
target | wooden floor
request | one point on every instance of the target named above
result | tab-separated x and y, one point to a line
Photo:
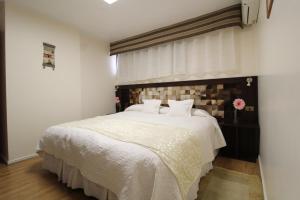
238	165
28	181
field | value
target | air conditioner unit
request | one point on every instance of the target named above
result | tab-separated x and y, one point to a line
250	10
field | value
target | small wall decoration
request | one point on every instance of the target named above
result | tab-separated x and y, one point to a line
238	104
49	56
269	7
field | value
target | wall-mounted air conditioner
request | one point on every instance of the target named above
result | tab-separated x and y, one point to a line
250	10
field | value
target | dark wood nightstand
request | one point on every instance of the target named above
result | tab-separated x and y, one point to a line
242	141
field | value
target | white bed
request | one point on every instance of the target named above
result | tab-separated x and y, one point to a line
111	169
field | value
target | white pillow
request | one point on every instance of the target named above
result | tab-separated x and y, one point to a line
195	111
135	107
151	105
181	108
200	112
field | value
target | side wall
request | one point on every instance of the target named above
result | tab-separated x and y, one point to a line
97	78
279	97
38	98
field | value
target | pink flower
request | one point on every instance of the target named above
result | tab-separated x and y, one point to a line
117	100
239	104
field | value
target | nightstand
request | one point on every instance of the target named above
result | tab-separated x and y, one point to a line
242	141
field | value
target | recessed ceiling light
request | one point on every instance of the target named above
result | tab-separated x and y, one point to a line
110	1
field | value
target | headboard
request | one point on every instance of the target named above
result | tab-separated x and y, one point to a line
213	95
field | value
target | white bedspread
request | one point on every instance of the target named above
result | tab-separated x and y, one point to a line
131	171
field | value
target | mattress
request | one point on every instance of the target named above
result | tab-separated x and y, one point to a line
129	171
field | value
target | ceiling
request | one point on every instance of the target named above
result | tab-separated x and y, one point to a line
125	17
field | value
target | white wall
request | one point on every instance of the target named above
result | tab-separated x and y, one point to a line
279	97
97	78
38	98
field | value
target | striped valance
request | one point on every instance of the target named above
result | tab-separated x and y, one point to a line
227	17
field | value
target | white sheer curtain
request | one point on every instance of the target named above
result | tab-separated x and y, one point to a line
212	53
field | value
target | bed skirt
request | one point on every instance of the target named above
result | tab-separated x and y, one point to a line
72	177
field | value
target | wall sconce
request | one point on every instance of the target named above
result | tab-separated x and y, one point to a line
249	80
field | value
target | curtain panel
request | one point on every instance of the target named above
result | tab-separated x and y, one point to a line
212	53
224	18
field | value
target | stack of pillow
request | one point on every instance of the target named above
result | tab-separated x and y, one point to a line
176	108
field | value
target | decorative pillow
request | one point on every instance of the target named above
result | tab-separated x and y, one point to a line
151	105
135	107
181	108
200	112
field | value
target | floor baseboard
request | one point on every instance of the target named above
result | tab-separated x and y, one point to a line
9	162
262	178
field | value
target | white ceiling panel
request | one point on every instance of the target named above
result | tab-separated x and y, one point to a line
123	18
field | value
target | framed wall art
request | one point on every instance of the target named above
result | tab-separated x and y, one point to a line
49	56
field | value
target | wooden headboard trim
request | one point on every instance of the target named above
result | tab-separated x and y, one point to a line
233	88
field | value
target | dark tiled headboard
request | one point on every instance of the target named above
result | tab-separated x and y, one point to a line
213	95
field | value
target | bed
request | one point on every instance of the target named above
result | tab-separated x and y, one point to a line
115	169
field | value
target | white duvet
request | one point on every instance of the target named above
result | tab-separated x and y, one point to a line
129	170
